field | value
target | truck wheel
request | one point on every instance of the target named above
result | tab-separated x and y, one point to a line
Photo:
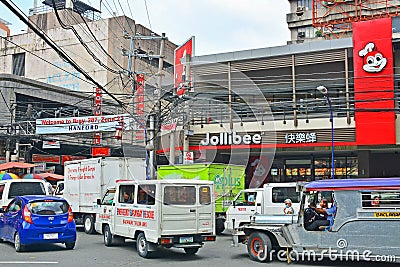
70	245
191	251
142	246
219	227
17	243
259	246
88	224
108	237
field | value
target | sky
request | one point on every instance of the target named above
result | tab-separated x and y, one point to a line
218	25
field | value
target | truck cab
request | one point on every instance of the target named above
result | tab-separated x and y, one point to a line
267	200
158	213
359	228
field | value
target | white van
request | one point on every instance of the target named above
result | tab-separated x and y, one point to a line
158	213
267	200
20	187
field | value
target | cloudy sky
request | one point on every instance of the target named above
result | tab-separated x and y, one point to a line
218	25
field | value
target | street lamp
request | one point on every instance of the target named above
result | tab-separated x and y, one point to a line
324	91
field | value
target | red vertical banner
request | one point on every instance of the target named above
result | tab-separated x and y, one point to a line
139	100
97	112
257	171
374	82
182	54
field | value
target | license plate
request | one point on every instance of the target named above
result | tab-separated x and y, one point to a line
186	239
50	236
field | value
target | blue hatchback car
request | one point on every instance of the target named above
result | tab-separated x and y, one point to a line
31	220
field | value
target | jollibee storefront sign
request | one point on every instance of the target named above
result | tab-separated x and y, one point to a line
230	139
374	82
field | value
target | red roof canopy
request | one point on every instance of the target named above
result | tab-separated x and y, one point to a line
16	165
51	176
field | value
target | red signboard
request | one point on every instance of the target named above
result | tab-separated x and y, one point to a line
139	100
374	82
181	55
100	151
97	112
46	158
65	158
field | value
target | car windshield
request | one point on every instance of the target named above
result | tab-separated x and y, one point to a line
48	207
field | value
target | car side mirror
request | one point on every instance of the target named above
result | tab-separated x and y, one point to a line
98	201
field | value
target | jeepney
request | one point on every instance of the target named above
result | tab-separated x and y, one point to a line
361	230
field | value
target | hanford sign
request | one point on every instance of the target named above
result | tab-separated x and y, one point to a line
230	139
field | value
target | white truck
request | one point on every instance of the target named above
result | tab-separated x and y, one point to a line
158	213
267	200
87	180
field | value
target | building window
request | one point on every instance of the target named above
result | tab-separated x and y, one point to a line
306	32
307	4
18	64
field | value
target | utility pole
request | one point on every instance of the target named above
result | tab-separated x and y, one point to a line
154	120
157	122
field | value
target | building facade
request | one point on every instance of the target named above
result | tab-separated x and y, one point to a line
309	20
270	116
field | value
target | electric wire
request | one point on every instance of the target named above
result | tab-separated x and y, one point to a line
67	27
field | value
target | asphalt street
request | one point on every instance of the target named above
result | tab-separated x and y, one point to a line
90	251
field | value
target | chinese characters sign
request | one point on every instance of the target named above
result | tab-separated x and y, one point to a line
298	138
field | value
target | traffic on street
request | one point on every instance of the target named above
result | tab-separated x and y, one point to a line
90	251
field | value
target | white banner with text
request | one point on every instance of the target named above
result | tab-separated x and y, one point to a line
106	123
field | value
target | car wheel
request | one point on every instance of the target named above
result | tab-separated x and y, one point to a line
259	246
70	245
88	224
17	243
108	237
142	246
191	251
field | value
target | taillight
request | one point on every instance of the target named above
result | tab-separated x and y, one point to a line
27	215
165	241
70	214
209	238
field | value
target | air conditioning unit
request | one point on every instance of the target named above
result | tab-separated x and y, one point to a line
301	34
300	10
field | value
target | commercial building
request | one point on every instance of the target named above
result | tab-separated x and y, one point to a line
269	96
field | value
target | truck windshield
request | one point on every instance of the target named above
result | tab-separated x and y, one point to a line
246	198
108	197
180	195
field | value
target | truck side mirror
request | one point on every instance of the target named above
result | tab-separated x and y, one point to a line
98	201
234	203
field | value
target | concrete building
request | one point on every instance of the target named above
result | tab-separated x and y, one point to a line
32	71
